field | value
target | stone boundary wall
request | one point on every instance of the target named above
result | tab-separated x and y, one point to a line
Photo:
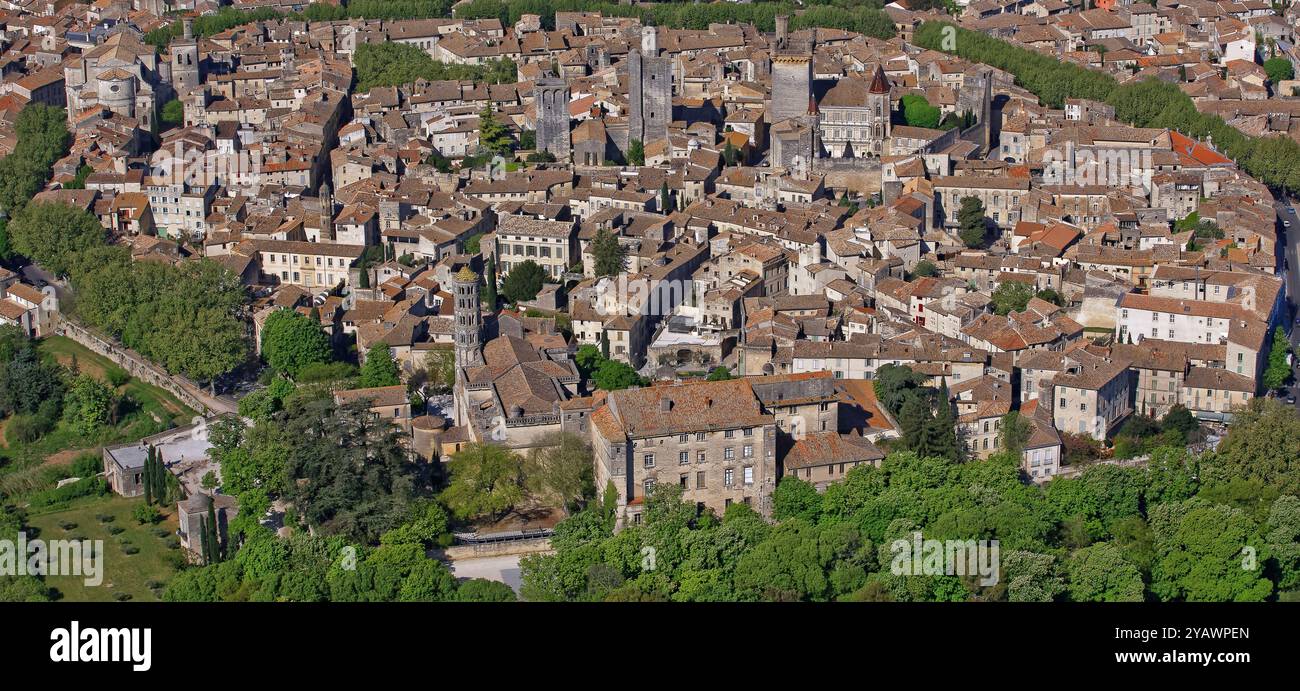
499	549
188	392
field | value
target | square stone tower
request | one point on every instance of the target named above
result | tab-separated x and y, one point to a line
649	90
551	98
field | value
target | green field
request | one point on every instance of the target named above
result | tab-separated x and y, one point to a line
27	467
151	398
123	573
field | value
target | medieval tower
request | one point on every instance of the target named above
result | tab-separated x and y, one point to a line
792	75
186	72
551	99
649	90
469	335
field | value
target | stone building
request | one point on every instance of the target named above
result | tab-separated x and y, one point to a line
649	90
518	387
551	99
121	75
192	517
855	117
792	75
468	336
713	439
550	244
187	65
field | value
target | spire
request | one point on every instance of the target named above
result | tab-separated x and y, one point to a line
879	84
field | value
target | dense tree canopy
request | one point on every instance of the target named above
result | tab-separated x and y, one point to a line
1275	161
354	475
917	112
523	282
55	235
292	341
43	138
380	369
188	317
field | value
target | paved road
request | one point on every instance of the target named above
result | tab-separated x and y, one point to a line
503	569
1291	251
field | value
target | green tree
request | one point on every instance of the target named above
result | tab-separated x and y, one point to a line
972	226
636	153
795	498
490	285
941	432
560	469
1100	573
1278	371
894	385
613	375
1263	444
440	364
1283	540
483	590
379	369
485	480
1011	296
915	417
353	474
291	341
173	114
719	373
1013	432
610	255
523	282
1279	70
667	203
147	476
88	405
492	135
1199	554
924	268
146	513
918	112
54	235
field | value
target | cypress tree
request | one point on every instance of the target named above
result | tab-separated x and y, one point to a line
203	540
490	286
604	344
214	537
147	474
943	436
913	417
160	478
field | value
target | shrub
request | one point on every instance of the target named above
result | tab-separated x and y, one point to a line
117	378
27	429
67	525
86	465
116	529
105	517
130	549
85	487
146	513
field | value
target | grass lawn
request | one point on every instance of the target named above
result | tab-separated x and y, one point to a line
151	398
122	573
24	467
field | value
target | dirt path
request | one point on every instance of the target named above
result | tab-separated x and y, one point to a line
66	456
